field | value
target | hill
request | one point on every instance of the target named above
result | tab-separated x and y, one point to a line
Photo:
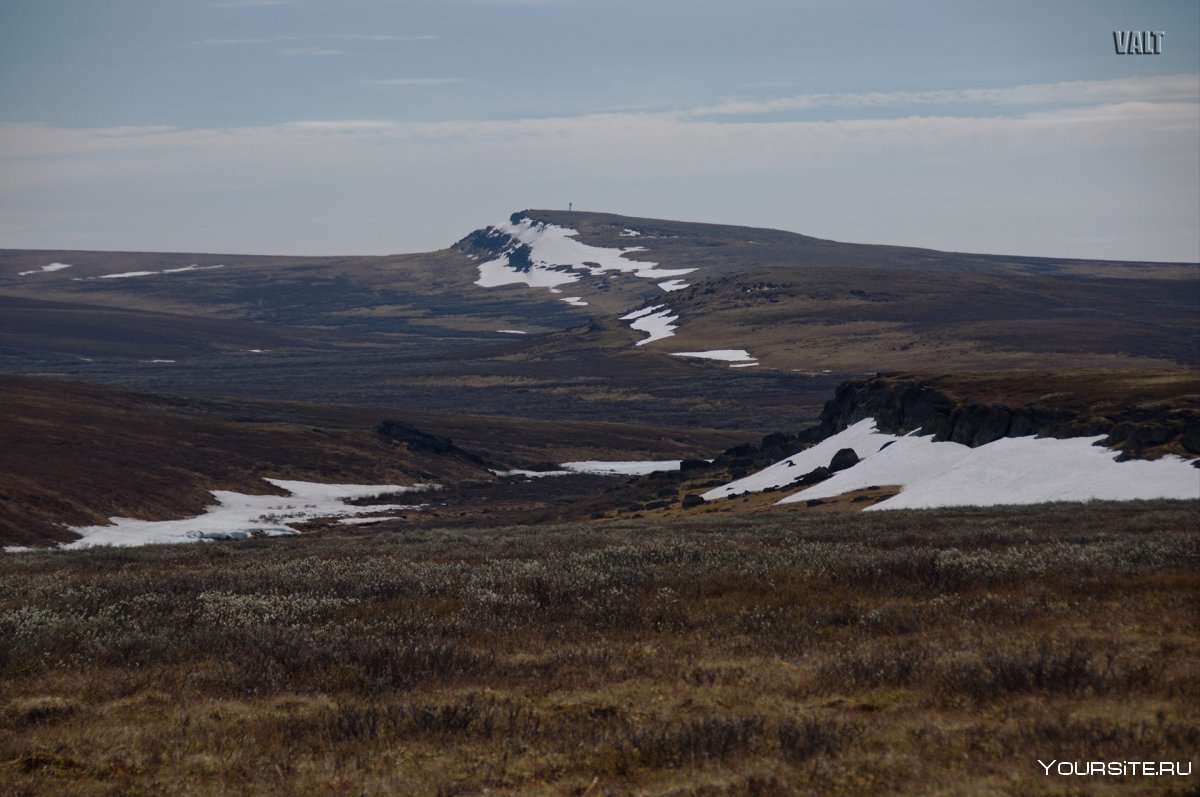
795	314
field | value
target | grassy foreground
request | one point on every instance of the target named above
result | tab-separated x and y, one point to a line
895	653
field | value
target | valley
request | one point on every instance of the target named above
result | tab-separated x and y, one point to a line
593	504
224	370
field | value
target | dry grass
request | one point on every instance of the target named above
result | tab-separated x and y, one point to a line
901	653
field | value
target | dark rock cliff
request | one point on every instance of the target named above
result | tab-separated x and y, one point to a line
902	406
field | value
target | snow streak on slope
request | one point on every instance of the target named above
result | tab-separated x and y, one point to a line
44	269
657	322
128	274
543	255
238	516
1012	470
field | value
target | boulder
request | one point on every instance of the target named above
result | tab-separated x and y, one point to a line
846	458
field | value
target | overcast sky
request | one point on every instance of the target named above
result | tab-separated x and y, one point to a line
383	126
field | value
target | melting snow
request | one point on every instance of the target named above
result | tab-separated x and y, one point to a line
628	233
635	468
1012	470
495	273
642	312
555	256
44	269
655	321
127	274
367	521
124	274
674	285
862	437
532	474
238	516
575	301
192	267
727	355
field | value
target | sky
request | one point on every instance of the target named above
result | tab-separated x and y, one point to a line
386	126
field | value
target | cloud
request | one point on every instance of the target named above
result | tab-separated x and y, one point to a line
250	3
1147	88
1047	180
226	42
313	37
321	51
416	81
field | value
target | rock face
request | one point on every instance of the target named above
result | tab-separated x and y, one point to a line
900	407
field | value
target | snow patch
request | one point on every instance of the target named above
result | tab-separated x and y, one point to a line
575	301
726	355
44	269
674	285
238	516
495	273
550	256
513	331
862	437
192	267
656	325
367	521
639	313
533	474
631	468
128	274
125	274
628	233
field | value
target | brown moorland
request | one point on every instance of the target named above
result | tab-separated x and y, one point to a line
930	653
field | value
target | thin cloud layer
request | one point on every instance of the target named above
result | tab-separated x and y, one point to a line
364	37
415	81
406	185
1151	88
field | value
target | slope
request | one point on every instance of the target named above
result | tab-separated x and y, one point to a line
77	454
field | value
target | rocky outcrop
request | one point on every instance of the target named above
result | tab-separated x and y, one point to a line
902	406
422	442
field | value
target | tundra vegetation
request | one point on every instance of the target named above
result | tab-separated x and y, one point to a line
937	652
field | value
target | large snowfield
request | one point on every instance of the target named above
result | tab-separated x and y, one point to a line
1013	470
